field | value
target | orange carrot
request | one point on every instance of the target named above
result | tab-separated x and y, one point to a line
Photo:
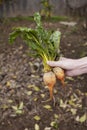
59	72
49	79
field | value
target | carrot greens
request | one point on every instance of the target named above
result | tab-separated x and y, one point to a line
43	43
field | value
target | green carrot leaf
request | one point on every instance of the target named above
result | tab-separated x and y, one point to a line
43	43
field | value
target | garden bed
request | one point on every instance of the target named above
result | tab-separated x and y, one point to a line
22	90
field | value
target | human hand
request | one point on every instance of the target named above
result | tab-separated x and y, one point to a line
72	67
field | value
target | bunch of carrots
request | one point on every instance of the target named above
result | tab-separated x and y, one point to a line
45	45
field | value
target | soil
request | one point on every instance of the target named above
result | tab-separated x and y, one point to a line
22	90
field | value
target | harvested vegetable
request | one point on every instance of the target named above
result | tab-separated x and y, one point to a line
50	80
44	44
59	72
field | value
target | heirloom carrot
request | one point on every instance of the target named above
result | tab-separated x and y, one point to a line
59	72
43	44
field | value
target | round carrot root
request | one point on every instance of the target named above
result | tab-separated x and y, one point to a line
49	79
59	74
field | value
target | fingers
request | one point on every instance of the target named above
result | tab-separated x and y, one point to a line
54	63
70	69
74	72
67	64
63	64
70	73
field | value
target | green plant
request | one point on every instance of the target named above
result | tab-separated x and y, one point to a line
44	44
18	109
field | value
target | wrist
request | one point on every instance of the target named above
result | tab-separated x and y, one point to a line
82	61
82	65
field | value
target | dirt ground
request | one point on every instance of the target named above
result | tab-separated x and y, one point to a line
22	90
